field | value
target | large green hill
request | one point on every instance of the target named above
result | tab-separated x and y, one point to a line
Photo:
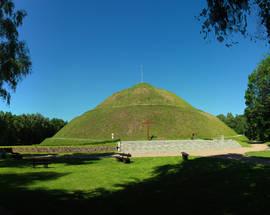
125	114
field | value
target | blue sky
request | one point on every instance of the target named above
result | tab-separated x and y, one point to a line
85	50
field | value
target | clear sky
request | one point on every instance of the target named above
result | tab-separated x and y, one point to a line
85	50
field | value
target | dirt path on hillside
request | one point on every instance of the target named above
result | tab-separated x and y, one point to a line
207	153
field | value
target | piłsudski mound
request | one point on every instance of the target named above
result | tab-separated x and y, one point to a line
144	111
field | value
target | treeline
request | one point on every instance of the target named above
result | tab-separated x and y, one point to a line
237	122
27	129
255	123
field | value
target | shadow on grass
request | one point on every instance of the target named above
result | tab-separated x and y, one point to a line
13	182
247	159
255	142
199	186
15	198
80	158
69	159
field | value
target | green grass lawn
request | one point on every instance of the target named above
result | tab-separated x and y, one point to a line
87	175
105	186
242	140
263	154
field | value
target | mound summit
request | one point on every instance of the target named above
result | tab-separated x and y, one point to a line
127	112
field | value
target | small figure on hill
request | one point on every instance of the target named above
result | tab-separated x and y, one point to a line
118	146
152	137
193	136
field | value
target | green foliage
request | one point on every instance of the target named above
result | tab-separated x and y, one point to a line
125	113
14	59
237	122
26	129
257	98
225	18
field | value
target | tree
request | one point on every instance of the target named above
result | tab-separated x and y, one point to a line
237	122
14	56
231	120
56	125
222	117
27	129
257	98
228	17
241	124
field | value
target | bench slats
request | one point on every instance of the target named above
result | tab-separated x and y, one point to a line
44	162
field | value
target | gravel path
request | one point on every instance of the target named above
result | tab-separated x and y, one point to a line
241	151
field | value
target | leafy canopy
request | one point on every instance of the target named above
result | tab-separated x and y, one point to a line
228	17
237	122
258	102
14	56
27	129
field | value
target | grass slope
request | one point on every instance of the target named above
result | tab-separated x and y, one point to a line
54	141
124	113
144	94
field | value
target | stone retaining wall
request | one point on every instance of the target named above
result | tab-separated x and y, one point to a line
168	146
62	149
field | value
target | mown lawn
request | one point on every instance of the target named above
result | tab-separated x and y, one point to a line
242	140
153	185
86	174
263	154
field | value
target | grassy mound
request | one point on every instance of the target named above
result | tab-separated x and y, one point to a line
144	94
124	114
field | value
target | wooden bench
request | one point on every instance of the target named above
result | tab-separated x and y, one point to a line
41	161
184	156
123	157
16	156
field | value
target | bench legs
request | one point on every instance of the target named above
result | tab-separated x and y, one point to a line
124	160
127	160
45	165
